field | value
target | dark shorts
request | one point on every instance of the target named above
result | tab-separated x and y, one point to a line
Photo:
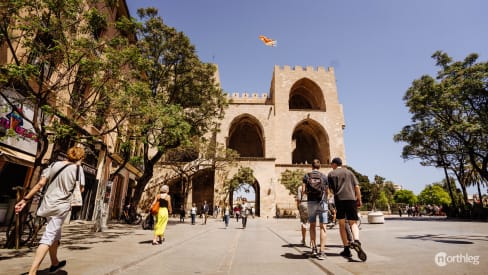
346	209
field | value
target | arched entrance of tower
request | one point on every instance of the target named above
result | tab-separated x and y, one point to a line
306	94
203	188
246	136
311	142
251	191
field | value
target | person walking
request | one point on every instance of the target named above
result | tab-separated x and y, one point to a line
205	209
60	181
347	197
245	211
303	212
315	185
237	212
193	213
163	214
226	214
182	213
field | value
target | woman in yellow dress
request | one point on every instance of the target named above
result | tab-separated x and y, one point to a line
163	214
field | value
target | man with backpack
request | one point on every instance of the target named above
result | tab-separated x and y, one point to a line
315	185
347	196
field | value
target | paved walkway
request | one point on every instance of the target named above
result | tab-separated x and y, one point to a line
266	246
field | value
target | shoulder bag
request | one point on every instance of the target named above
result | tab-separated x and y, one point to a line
76	198
155	208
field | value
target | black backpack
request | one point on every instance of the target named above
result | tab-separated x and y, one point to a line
315	186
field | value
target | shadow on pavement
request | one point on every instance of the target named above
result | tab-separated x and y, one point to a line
461	239
295	256
8	254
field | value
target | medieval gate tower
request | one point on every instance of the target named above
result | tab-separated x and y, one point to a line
301	119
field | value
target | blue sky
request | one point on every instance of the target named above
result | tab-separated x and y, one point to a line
376	47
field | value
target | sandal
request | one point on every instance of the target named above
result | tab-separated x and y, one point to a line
55	268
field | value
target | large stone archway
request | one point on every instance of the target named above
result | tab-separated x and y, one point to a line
257	201
246	136
203	188
310	142
306	94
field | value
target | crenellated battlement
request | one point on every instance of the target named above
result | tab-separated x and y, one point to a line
309	69
254	98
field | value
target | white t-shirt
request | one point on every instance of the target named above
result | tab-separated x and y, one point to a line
59	192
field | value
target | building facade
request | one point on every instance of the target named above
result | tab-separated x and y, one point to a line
299	120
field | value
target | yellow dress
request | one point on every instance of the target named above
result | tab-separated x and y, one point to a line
161	218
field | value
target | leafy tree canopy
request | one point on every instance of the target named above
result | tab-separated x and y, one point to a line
292	179
434	194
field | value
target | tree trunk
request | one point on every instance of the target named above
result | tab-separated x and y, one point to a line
141	185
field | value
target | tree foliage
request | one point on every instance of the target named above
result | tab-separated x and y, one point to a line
292	179
184	100
244	175
434	194
405	196
61	67
450	118
187	161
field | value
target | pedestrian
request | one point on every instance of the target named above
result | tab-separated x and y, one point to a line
193	213
163	214
332	208
237	212
61	179
303	212
205	209
182	213
226	214
347	196
245	211
315	185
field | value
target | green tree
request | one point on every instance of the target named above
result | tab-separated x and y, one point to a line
187	161
185	100
244	175
405	196
292	179
75	80
450	118
434	194
382	201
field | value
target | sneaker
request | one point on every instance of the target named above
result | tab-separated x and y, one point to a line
55	268
356	245
346	253
314	251
321	255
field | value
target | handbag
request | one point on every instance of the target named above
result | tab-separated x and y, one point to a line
44	208
76	198
155	208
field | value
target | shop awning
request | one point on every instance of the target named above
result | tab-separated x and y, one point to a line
16	157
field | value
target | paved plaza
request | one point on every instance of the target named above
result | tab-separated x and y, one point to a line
266	246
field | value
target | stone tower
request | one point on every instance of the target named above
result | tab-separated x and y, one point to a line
300	120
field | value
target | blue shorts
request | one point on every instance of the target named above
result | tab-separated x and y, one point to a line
315	209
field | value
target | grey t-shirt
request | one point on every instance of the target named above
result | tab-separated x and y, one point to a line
342	182
59	191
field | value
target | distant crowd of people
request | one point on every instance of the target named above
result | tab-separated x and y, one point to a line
418	210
